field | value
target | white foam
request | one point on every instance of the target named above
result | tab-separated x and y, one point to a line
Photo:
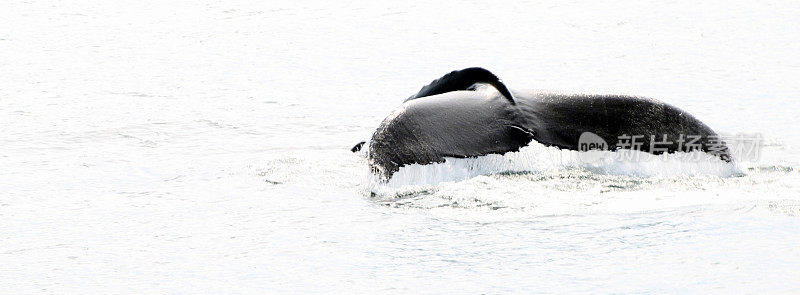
537	158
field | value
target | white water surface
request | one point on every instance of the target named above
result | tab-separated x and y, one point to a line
203	147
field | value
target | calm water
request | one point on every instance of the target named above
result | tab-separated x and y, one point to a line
202	147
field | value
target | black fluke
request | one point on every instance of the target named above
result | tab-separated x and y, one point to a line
442	121
463	80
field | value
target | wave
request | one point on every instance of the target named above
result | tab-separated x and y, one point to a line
537	158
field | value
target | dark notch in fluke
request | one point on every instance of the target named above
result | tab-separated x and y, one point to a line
463	80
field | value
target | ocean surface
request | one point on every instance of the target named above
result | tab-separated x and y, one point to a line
203	147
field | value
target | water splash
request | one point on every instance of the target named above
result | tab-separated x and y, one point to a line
537	158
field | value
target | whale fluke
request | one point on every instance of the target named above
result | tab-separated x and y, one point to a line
450	123
463	80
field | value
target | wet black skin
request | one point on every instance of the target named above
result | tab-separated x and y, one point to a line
449	119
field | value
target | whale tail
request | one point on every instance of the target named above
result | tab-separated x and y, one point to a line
455	81
463	80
